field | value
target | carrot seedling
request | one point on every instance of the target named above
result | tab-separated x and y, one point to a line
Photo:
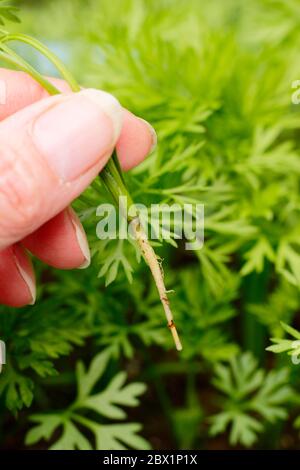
111	176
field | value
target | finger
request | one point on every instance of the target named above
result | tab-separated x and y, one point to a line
17	286
18	90
61	242
50	152
136	141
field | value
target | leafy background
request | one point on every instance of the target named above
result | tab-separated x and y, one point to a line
92	364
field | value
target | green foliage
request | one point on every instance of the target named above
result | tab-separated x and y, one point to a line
221	101
107	403
204	318
215	80
291	346
250	396
7	12
280	305
33	342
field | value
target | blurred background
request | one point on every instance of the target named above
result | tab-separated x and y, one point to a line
92	364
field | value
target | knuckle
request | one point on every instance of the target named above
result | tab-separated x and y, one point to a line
19	204
34	91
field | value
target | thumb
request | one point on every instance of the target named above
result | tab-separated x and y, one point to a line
49	153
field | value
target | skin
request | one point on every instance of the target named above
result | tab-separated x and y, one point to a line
35	213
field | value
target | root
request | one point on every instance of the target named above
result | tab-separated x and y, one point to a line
157	273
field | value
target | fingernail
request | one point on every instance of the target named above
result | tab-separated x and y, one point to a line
81	239
109	105
153	134
77	133
29	281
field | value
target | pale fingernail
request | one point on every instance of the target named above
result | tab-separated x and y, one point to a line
109	105
77	133
81	239
29	281
153	134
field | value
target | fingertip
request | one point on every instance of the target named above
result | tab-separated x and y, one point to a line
81	239
17	286
137	140
61	242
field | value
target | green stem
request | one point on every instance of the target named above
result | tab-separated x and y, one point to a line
114	183
85	421
255	288
11	57
44	50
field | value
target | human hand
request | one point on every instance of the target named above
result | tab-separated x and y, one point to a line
51	150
